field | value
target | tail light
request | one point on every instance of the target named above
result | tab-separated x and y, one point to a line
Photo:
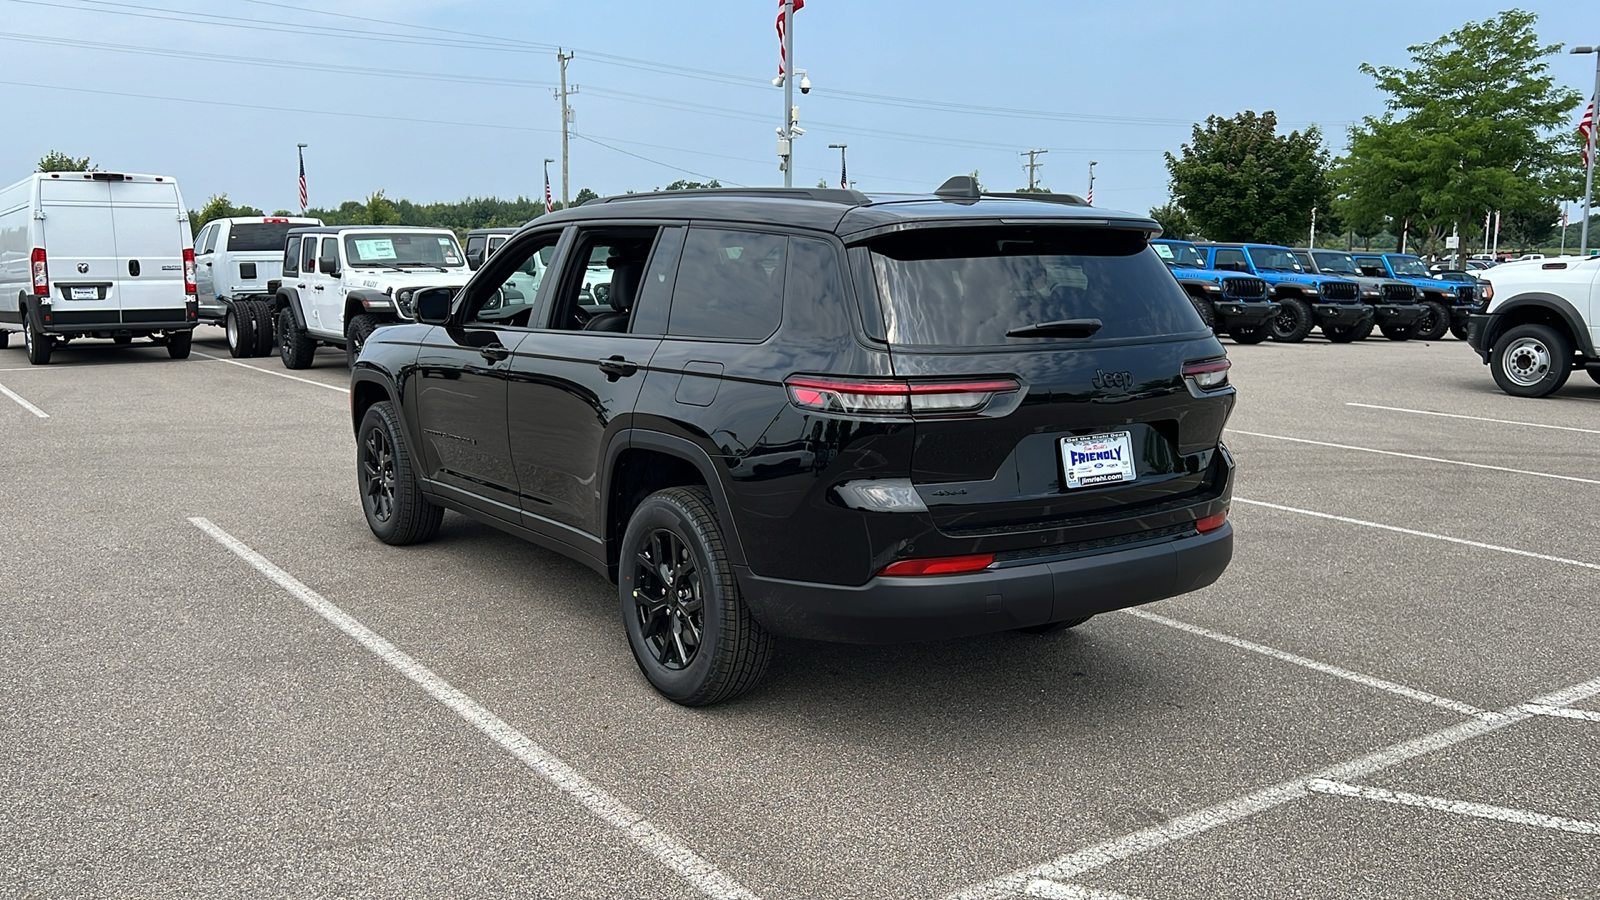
941	565
897	398
41	273
188	270
1207	374
1211	523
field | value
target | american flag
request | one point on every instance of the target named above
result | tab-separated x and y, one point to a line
303	196
782	58
1090	199
1584	126
844	181
549	201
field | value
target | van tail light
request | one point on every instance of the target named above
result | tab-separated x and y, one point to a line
41	273
897	398
940	565
188	270
1208	374
1211	523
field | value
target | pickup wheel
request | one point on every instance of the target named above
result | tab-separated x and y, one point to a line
1531	361
295	348
391	498
1292	322
355	336
36	342
178	344
687	624
1434	323
1398	332
240	325
265	345
1249	334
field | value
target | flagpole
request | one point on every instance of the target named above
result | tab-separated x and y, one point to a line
304	197
788	92
1588	180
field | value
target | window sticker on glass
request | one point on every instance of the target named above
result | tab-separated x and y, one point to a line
448	247
1163	251
375	249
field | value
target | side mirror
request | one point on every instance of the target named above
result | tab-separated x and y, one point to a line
328	265
474	259
433	305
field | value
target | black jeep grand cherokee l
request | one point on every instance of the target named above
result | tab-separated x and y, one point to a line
815	413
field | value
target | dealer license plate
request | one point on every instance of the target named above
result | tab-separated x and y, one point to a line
84	293
1098	459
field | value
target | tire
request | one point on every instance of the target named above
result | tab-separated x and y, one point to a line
241	327
1292	322
1531	361
294	347
178	344
1458	331
1053	627
1434	323
37	343
1398	332
265	345
1347	334
355	336
672	551
1250	334
1203	307
391	497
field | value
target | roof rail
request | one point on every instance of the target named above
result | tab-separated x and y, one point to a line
820	195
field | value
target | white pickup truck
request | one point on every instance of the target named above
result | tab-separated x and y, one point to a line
1541	322
234	260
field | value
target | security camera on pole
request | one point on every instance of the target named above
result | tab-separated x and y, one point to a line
788	131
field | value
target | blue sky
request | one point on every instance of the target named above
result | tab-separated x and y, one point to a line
682	89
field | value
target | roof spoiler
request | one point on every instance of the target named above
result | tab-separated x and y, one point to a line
965	187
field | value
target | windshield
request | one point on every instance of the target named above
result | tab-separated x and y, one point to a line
1185	255
257	236
1278	259
1336	263
968	287
1409	266
399	248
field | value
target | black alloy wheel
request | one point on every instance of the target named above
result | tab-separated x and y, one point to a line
669	600
1292	322
391	499
377	474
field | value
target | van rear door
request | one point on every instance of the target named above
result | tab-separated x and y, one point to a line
151	238
81	248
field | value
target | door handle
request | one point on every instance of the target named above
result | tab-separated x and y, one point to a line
494	352
617	367
317	288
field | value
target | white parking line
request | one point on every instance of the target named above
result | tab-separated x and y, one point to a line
1424	412
235	362
23	403
1426	534
696	870
1457	807
1453	462
1409	693
1072	865
1563	713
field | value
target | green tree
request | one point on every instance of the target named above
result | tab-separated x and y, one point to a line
379	210
1532	227
1474	124
1240	180
218	207
1033	190
583	196
56	161
682	185
1173	220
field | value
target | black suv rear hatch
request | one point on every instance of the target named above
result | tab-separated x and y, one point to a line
1105	436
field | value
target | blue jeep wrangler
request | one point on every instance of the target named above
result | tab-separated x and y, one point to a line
1396	305
1448	303
1304	300
1232	304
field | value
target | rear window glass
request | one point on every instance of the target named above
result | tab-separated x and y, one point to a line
968	287
257	236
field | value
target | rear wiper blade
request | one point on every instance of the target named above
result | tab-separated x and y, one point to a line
1072	328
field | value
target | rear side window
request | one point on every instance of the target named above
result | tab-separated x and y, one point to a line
730	285
211	239
256	237
200	239
291	257
308	256
968	287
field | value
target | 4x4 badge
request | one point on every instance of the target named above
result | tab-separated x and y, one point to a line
1122	381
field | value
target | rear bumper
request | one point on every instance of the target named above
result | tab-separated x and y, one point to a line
1341	313
1231	313
74	322
894	610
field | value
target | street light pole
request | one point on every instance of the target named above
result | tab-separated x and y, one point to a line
1588	180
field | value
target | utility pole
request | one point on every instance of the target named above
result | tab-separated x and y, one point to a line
566	120
1032	166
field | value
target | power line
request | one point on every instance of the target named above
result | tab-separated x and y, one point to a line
647	159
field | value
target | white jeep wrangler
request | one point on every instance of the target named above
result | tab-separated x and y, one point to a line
341	282
234	260
1541	321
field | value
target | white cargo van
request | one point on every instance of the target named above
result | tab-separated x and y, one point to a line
235	262
95	254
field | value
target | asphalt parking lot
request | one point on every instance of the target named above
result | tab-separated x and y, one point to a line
217	683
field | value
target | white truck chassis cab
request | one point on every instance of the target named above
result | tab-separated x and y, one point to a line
235	259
